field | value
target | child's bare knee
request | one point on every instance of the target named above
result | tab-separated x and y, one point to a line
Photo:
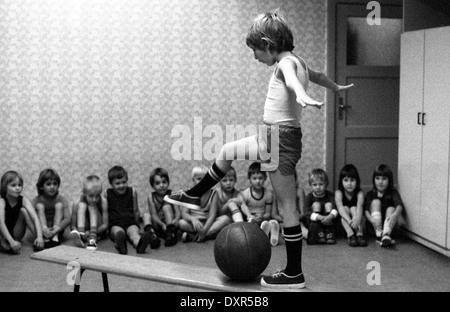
59	207
328	207
316	207
375	205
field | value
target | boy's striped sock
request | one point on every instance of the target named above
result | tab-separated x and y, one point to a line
211	178
293	238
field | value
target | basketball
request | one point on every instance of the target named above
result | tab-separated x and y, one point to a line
242	251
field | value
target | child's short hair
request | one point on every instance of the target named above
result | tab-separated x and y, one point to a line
199	170
47	175
255	168
270	30
318	174
231	172
158	172
7	178
349	171
93	184
117	172
384	171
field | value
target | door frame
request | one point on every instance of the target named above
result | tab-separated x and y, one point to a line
331	72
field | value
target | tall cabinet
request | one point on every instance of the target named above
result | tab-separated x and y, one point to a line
424	136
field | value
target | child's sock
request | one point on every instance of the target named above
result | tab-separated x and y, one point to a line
387	227
237	216
376	216
210	179
293	238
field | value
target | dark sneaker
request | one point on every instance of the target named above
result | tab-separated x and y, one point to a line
180	198
51	244
155	242
352	241
171	236
321	238
362	242
121	243
282	281
187	237
331	240
144	241
77	238
386	241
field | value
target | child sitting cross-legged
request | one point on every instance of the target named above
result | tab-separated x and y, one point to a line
124	214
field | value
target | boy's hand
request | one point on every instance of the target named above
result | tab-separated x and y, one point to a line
344	88
39	243
197	225
305	100
46	232
327	220
15	246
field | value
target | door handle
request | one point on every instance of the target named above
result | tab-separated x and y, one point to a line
342	107
421	119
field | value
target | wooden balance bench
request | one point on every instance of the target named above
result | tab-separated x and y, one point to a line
142	268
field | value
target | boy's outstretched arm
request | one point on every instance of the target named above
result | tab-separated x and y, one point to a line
289	70
322	80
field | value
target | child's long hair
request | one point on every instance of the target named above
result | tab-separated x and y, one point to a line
349	171
270	30
384	171
7	178
47	175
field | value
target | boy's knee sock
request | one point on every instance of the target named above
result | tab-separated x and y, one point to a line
236	215
210	179
387	230
293	239
376	216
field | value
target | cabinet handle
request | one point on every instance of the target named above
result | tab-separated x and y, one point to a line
419	115
423	119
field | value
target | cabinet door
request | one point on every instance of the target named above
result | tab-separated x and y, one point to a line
436	133
410	130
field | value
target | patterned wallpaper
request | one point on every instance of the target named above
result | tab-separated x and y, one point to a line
88	84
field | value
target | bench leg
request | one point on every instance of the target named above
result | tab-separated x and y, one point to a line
76	288
105	282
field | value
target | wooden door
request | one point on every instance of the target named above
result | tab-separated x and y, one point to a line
367	117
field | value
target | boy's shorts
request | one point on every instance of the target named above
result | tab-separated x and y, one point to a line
288	144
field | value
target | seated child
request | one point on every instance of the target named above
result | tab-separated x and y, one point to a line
16	214
256	200
383	205
90	211
200	225
164	216
52	208
320	201
227	197
349	201
124	214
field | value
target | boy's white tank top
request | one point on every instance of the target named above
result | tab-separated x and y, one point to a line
281	107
